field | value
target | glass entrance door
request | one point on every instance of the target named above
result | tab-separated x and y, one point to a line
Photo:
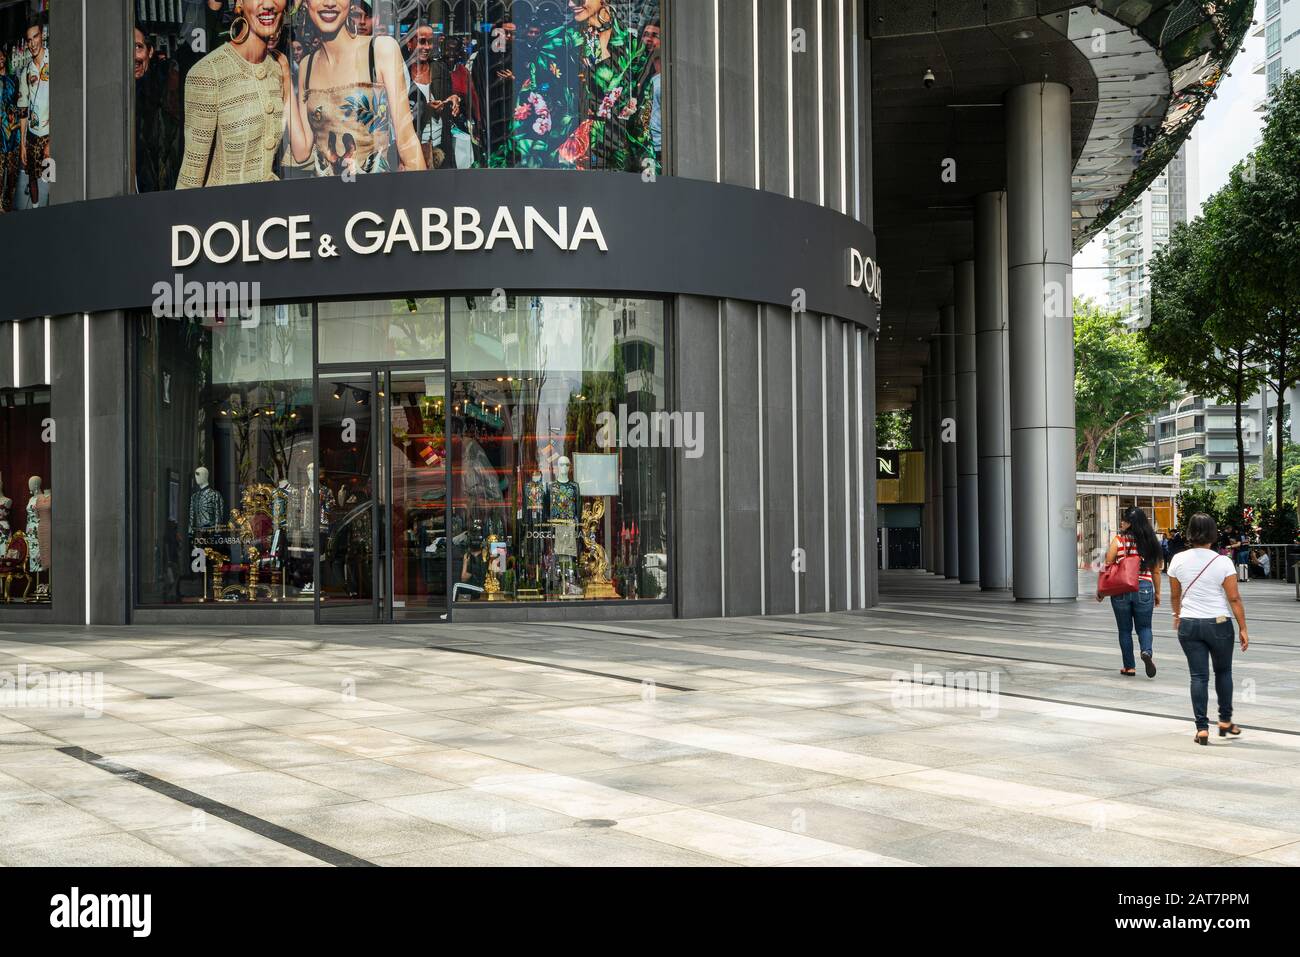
381	481
346	476
417	469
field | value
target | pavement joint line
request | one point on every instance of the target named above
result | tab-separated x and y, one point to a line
1095	707
547	664
942	651
249	822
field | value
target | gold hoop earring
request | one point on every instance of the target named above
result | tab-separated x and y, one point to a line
239	27
604	17
352	30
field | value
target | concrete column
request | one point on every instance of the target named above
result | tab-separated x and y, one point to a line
934	458
916	434
921	431
968	529
992	409
1041	331
947	435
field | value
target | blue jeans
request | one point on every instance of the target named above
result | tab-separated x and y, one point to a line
1206	641
1134	610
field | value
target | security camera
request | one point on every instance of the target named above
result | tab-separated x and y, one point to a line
928	79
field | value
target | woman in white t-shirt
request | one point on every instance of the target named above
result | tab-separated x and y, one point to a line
1203	589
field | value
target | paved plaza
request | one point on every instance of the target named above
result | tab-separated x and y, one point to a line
821	740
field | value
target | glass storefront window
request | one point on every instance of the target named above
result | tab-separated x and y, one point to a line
26	166
26	521
410	86
226	504
559	477
384	331
477	449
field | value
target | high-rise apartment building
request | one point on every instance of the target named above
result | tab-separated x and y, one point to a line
1280	29
1135	235
1279	26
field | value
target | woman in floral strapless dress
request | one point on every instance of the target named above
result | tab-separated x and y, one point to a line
351	99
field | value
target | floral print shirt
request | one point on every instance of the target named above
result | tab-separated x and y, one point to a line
9	126
574	110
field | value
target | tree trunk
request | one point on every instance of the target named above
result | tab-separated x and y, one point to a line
1241	439
1278	463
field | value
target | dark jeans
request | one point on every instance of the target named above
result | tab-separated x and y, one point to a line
1206	641
1134	610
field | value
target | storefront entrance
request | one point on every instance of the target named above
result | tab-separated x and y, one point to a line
381	474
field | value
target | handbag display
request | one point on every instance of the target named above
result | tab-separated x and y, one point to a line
1120	577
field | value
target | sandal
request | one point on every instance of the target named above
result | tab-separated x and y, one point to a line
1229	729
1202	737
1128	672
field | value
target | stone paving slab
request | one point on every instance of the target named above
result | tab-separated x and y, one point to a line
801	742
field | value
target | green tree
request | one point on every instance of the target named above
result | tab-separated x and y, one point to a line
1199	340
1256	233
1117	384
894	430
1198	498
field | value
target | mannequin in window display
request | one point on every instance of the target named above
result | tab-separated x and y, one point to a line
38	533
6	504
207	508
562	513
307	518
281	496
534	512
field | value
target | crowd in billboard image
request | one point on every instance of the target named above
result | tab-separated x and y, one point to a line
26	168
248	91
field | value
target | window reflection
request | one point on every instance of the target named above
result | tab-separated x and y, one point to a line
226	496
548	504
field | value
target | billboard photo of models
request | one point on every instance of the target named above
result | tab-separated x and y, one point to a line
26	167
246	91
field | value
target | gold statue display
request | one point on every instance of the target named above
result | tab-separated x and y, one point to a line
595	563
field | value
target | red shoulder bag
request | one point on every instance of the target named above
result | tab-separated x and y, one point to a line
1120	577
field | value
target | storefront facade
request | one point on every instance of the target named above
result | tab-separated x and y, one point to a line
515	311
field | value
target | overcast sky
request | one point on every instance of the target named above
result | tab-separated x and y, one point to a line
1223	137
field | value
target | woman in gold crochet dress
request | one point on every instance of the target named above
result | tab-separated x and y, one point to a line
235	101
351	107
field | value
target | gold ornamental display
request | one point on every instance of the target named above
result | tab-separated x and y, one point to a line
595	563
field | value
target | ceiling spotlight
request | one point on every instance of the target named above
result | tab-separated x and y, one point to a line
1023	35
928	78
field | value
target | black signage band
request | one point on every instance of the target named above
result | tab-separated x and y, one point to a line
388	236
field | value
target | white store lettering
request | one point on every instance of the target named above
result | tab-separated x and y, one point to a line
368	233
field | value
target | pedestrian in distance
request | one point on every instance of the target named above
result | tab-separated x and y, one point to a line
1134	610
1204	591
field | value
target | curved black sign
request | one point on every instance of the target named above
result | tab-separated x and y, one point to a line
388	236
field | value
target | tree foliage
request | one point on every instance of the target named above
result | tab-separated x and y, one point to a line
1117	384
1194	333
894	430
1255	225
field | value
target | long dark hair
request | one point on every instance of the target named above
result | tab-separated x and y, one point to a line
1144	536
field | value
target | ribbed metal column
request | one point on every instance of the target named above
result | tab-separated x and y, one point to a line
919	440
968	528
948	410
934	458
1039	161
992	408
